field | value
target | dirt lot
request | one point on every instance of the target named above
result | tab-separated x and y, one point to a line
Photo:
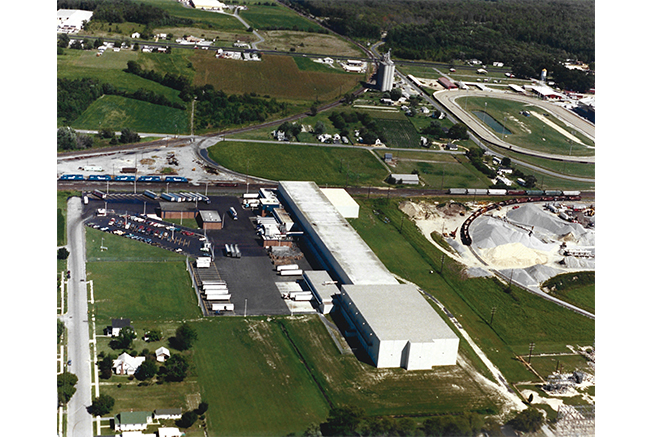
307	43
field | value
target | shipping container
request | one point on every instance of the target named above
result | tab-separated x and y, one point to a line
250	196
234	213
497	192
457	191
477	191
151	194
222	307
553	193
72	177
571	193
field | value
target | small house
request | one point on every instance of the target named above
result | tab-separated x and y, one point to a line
169	432
132	420
117	325
125	364
450	146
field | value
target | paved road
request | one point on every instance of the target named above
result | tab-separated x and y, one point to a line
76	319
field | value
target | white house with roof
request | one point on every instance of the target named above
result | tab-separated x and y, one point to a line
132	420
125	364
162	354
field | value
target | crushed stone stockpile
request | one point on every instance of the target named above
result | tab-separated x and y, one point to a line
546	223
513	255
531	276
488	232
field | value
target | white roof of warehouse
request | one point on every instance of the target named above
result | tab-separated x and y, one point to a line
398	312
342	201
350	251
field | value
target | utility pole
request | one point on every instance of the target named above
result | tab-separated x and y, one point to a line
529	358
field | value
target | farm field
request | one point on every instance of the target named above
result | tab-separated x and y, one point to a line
286	161
275	76
307	42
265	17
202	19
76	64
118	112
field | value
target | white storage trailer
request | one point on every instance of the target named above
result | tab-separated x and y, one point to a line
301	295
218	297
297	272
222	307
287	267
215	287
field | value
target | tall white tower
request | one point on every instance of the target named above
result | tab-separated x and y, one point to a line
385	76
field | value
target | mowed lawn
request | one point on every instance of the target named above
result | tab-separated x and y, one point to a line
442	171
253	380
137	281
117	113
275	76
283	161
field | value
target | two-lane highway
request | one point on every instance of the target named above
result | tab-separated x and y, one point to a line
80	422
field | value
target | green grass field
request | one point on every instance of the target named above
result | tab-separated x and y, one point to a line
440	171
119	112
276	76
283	161
265	17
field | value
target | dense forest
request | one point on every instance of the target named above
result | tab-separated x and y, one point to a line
527	35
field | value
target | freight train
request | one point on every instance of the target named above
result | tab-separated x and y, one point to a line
144	178
504	192
526	196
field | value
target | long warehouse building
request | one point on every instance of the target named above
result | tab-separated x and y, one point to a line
393	321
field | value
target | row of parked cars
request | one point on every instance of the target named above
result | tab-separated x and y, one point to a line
143	229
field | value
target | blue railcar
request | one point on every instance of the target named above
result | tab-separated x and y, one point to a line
71	177
176	179
99	177
125	178
149	179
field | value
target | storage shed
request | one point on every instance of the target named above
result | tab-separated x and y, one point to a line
405	178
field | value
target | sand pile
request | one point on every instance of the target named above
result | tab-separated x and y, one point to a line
548	224
531	276
513	255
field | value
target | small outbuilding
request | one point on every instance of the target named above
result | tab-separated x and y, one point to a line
162	354
167	413
209	220
407	178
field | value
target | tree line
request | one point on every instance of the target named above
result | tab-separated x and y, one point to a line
523	34
74	96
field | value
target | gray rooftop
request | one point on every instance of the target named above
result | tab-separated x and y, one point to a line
398	312
208	216
350	251
322	284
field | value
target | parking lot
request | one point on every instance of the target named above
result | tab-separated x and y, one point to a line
251	278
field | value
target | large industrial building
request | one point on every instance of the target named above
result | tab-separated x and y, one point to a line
393	322
385	76
72	20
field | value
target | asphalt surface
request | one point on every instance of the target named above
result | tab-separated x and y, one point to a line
251	278
76	319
